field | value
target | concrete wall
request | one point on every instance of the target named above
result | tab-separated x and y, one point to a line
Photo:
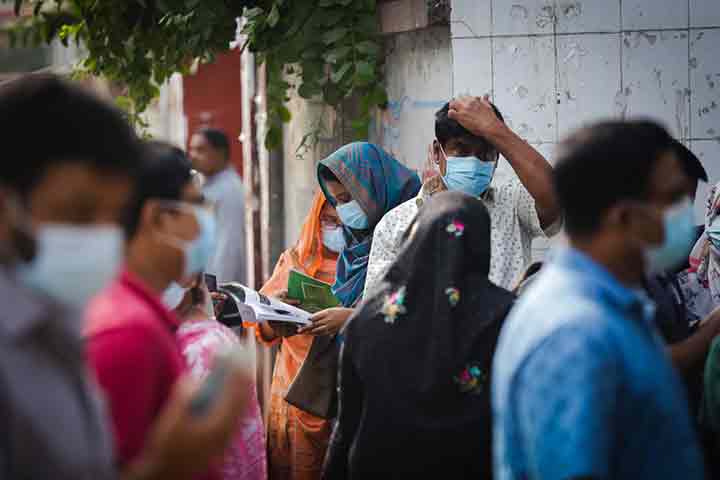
419	82
552	65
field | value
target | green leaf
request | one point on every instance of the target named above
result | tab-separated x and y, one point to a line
338	75
308	90
326	3
344	3
273	16
333	17
285	114
334	56
253	12
379	96
334	35
273	139
364	73
368	48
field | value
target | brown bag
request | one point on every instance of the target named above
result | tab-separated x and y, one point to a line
314	389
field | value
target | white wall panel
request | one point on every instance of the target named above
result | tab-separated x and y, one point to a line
704	13
472	72
705	83
524	71
578	16
471	18
655	77
522	17
652	14
588	79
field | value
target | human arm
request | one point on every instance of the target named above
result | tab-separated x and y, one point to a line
533	170
327	322
689	354
180	445
349	413
567	416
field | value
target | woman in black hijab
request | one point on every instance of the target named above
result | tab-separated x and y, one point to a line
414	398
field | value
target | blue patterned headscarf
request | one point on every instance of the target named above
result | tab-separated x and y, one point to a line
378	183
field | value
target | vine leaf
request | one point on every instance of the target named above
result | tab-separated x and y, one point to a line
334	35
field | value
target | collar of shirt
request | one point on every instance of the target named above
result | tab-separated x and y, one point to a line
141	291
597	279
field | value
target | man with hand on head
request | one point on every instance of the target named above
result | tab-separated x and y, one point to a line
470	136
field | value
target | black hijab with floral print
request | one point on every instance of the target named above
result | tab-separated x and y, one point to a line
420	349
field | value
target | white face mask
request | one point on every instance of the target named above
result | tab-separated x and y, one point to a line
333	238
73	263
173	295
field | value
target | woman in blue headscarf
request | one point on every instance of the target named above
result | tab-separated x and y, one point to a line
363	183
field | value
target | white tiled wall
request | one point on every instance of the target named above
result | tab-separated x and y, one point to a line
557	64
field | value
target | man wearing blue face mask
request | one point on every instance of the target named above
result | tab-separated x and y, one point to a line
582	386
470	137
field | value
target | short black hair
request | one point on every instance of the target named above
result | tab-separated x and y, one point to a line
217	139
603	164
690	162
45	120
447	129
164	174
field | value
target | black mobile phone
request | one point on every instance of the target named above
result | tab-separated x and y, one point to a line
211	282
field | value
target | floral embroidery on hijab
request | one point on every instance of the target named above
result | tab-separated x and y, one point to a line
472	379
453	295
456	227
394	305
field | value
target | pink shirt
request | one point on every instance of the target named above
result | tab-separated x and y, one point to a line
200	341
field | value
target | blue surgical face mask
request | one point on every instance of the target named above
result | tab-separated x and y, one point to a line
198	252
679	226
333	238
73	263
469	175
352	215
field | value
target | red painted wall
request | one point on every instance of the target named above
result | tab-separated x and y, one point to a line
212	99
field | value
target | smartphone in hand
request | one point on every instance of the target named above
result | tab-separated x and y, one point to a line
211	282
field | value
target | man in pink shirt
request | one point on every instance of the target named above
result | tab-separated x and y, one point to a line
131	334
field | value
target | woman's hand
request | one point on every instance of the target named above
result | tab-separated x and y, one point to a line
218	300
283	297
327	322
283	329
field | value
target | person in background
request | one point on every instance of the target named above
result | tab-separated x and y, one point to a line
688	339
130	334
415	363
582	386
363	183
297	439
210	155
201	337
60	243
470	134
